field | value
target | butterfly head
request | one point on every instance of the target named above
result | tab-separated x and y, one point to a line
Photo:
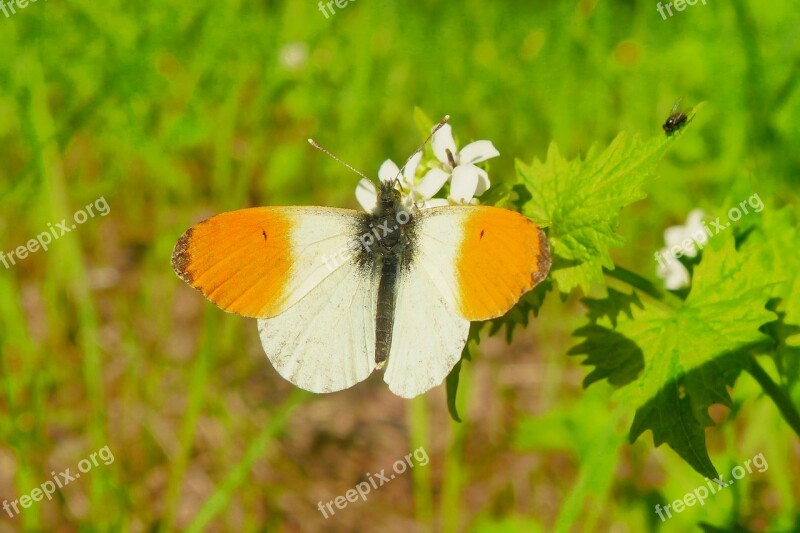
389	198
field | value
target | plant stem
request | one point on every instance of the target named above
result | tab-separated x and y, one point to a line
778	395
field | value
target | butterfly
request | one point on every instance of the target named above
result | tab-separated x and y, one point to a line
340	293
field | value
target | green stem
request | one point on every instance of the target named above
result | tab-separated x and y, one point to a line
782	400
643	285
422	486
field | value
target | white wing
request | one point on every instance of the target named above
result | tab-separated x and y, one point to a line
326	341
428	334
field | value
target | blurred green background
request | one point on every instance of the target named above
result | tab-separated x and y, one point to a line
174	111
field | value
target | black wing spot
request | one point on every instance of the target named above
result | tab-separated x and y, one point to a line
481	237
264	233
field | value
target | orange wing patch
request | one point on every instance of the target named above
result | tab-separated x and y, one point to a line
502	256
240	260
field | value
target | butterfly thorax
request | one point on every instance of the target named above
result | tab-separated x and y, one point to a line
390	219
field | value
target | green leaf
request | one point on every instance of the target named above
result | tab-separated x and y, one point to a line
520	314
687	355
774	245
723	312
678	414
615	357
451	384
580	201
615	303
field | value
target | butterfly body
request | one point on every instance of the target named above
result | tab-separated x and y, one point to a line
392	251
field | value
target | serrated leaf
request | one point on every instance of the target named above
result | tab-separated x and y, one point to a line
678	414
580	200
611	306
615	357
723	312
683	349
774	245
520	314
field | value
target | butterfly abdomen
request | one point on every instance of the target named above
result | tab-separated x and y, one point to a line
384	320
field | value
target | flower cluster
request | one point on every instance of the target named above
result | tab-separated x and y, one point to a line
458	167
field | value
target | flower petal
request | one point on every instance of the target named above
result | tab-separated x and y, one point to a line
477	151
483	182
695	218
694	226
443	139
673	235
464	183
673	272
434	202
431	183
677	277
388	171
410	170
367	195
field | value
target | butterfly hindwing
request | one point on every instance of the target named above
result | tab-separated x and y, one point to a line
429	334
326	341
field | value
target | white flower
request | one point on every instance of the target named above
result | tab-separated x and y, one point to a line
458	167
686	239
672	271
293	56
367	194
467	180
692	232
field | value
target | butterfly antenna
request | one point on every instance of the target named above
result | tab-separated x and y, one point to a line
316	145
421	146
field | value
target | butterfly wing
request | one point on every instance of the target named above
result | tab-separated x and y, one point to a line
258	262
326	341
295	269
428	333
467	263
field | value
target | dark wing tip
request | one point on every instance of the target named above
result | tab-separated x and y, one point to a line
181	257
544	262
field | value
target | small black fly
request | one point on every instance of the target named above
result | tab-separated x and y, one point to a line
677	118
